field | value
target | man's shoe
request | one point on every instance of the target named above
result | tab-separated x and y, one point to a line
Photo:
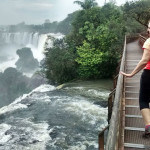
147	132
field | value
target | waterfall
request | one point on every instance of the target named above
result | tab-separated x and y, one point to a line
21	38
35	41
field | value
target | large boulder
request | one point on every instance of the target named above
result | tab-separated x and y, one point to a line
12	85
26	61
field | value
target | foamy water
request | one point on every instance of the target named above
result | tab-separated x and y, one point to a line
34	136
48	118
51	118
17	103
9	63
88	111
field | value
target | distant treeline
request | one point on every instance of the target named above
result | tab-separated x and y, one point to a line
134	14
54	27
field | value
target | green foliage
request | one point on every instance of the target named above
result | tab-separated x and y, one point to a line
59	65
108	65
87	4
133	27
92	15
97	16
65	26
89	59
98	56
93	47
139	10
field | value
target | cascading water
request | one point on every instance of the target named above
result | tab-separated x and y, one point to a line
35	41
50	118
15	41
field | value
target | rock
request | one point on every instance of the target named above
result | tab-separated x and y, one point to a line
36	80
102	103
26	61
13	84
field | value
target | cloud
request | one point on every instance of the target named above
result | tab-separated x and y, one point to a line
32	5
33	11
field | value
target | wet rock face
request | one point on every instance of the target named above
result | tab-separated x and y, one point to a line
36	80
12	85
26	61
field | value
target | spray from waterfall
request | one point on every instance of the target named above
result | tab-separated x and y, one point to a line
18	40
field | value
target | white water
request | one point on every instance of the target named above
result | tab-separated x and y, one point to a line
35	135
35	41
66	115
51	117
17	103
15	41
9	63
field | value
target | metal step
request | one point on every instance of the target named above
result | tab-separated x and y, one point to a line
134	121
130	94
132	111
133	135
132	102
132	98
133	116
139	146
132	106
134	129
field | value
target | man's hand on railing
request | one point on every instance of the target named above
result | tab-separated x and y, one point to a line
127	75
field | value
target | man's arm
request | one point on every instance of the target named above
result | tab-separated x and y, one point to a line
140	65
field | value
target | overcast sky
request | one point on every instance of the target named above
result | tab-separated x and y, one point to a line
36	11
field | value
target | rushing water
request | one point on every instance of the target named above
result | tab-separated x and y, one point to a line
15	41
68	117
49	118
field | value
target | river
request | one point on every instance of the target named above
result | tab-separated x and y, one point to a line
67	117
49	118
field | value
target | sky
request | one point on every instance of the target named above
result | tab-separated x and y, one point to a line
37	11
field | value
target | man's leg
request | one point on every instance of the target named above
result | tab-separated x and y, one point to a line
146	116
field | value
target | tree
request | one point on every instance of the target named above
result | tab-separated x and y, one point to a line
92	15
65	26
59	65
139	10
87	4
91	50
98	56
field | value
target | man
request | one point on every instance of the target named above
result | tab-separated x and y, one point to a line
144	95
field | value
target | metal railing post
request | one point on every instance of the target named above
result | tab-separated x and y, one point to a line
101	138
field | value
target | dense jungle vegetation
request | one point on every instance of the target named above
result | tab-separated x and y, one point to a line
94	39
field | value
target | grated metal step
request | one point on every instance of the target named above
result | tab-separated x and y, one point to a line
134	122
131	146
132	111
132	94
135	136
132	102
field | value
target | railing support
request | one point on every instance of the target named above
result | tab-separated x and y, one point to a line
110	104
101	141
101	138
115	80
